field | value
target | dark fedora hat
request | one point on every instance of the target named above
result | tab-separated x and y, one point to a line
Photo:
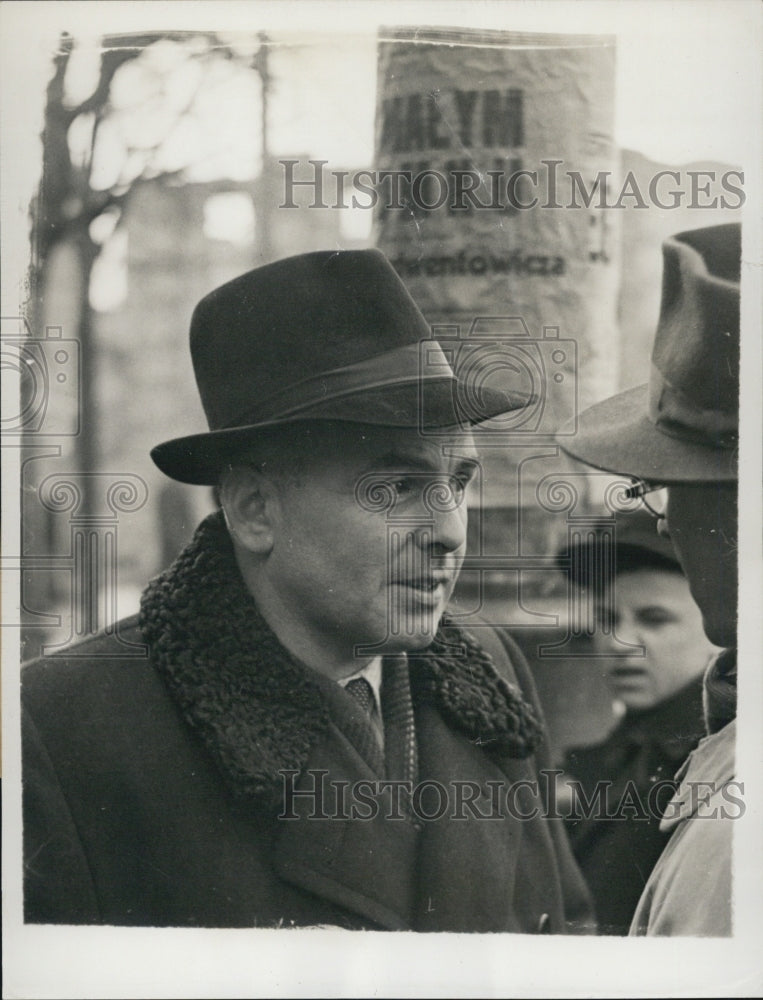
637	546
683	425
331	335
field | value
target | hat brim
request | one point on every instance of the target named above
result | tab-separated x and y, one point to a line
198	459
617	436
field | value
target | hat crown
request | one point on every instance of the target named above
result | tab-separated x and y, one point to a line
683	426
637	546
280	324
695	378
329	335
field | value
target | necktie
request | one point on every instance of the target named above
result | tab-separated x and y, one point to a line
362	692
368	734
401	751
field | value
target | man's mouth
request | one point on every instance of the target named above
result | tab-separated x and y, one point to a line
626	671
625	675
427	584
429	588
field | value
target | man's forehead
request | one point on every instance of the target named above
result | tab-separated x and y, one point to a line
402	447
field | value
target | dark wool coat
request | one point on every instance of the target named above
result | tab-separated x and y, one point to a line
155	761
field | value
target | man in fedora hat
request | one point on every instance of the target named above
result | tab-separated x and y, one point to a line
679	433
311	740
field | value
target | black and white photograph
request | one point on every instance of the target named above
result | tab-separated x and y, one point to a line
381	420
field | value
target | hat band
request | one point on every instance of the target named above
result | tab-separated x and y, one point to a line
422	361
673	413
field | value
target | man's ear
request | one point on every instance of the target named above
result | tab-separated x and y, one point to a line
249	501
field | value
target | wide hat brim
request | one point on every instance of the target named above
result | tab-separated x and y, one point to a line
198	459
617	436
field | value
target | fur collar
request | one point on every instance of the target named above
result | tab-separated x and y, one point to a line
257	709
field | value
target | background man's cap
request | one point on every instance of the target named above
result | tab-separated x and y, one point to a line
683	425
637	546
321	336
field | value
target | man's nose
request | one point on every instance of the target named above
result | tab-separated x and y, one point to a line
628	632
663	525
447	529
604	642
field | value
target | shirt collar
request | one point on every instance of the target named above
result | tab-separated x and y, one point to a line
372	672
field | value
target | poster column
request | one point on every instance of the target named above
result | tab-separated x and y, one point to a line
495	161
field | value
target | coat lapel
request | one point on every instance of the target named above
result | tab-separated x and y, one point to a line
447	875
365	864
465	866
487	865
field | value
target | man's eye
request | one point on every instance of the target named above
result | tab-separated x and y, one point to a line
655	616
403	487
467	477
459	485
605	617
437	490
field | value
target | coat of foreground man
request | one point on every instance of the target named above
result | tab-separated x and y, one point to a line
310	739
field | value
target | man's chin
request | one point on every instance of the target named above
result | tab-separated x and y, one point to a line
410	643
721	635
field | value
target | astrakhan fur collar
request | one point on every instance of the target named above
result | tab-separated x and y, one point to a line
256	707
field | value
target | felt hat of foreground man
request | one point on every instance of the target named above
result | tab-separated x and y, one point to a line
682	426
330	335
